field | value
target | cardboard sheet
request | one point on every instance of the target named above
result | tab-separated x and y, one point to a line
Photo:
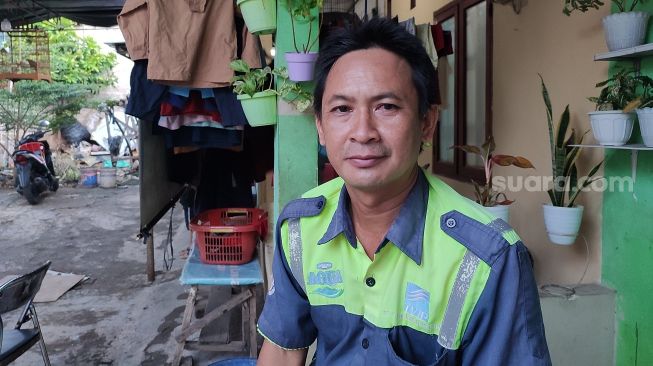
54	285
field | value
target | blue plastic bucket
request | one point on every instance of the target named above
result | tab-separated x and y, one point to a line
236	362
88	177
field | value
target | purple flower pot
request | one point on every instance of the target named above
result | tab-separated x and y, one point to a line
301	65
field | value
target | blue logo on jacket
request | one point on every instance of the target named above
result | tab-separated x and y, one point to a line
416	302
328	279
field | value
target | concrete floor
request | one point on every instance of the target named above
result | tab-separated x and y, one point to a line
116	317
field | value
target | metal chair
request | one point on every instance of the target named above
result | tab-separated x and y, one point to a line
17	293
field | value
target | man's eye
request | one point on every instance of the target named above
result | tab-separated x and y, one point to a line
387	107
341	109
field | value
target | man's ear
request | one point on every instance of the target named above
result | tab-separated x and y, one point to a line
320	132
429	122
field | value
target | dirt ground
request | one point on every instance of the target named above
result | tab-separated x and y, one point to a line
116	317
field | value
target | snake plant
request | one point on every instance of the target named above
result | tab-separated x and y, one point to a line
566	186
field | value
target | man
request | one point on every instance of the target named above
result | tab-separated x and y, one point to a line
387	265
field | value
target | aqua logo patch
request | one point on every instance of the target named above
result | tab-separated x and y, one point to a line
324	266
328	279
416	302
324	277
329	292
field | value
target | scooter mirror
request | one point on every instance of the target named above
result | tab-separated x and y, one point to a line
44	123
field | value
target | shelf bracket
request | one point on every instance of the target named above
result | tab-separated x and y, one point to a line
633	170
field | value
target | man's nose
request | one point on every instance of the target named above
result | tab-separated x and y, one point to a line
364	129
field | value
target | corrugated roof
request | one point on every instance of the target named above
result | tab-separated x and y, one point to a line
100	13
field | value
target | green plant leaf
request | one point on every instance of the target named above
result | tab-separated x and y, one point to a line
561	132
479	196
468	149
552	197
239	66
488	146
632	105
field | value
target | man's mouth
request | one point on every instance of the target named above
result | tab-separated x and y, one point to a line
365	161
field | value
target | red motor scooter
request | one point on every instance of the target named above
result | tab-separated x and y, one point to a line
34	169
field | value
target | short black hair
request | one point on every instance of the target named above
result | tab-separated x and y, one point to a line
385	34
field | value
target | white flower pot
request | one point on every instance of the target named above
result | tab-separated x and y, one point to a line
645	118
562	223
624	30
612	127
500	211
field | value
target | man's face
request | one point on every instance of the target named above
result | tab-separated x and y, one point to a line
370	123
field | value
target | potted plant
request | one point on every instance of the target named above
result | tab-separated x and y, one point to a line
562	217
292	93
611	125
624	29
493	200
254	90
260	15
301	63
644	108
259	99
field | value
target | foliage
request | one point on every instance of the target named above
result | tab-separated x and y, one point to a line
293	93
585	5
30	102
566	186
618	91
300	10
75	59
485	194
645	97
252	81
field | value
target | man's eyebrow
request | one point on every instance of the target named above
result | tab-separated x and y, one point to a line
337	97
387	95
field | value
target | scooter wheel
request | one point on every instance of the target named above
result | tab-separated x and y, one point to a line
55	185
28	193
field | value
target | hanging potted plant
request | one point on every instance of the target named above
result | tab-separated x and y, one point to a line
562	217
611	124
623	29
254	90
293	93
260	15
493	200
644	108
301	63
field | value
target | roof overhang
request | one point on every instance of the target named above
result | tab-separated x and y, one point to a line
101	13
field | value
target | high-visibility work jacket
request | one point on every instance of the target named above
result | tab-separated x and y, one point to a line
465	296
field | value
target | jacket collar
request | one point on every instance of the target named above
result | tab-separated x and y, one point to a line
406	231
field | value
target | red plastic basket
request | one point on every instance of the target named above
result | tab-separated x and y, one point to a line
229	235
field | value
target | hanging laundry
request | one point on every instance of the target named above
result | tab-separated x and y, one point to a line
188	42
230	108
199	137
185	92
193	46
134	23
222	100
423	33
174	105
442	40
409	24
145	97
191	120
